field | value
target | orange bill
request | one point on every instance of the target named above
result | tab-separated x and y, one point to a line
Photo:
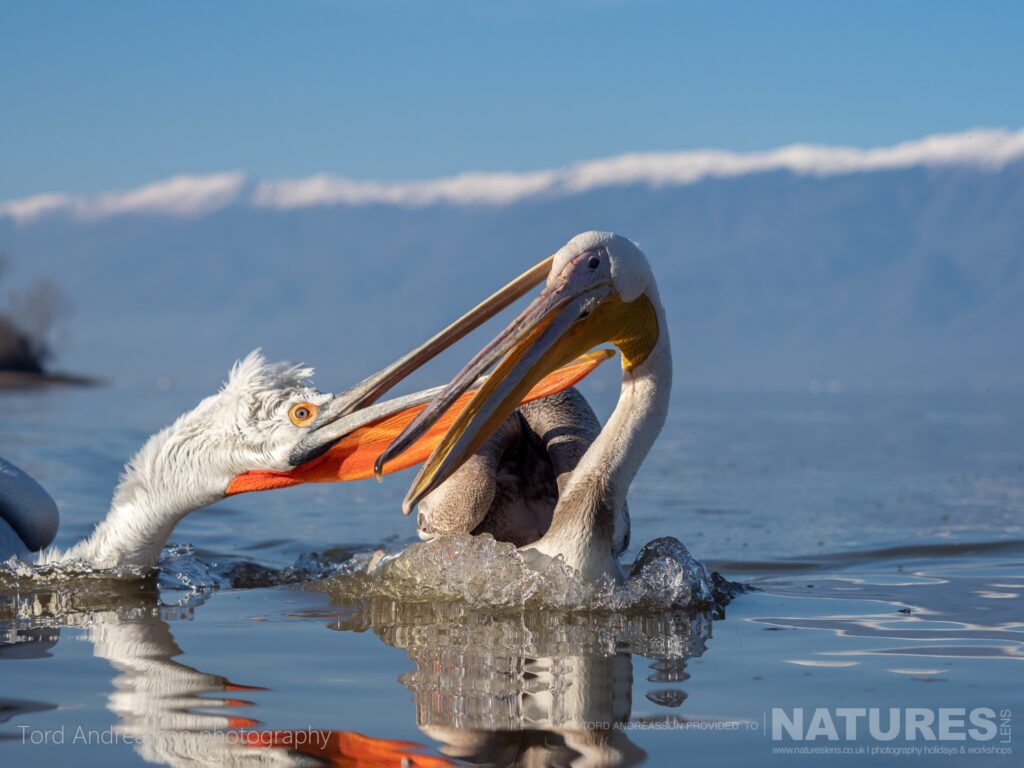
353	456
347	748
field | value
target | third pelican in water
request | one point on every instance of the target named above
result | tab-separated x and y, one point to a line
545	476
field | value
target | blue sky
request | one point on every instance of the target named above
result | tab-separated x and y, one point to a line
109	95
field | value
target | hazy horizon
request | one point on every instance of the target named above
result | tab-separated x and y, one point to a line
798	269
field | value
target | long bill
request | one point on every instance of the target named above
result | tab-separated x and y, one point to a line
349	409
371	388
575	312
370	430
353	429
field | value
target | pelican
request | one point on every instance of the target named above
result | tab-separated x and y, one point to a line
545	476
266	428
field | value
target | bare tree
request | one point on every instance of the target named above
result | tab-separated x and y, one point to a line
29	323
38	313
15	352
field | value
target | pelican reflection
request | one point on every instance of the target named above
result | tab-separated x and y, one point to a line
531	687
169	712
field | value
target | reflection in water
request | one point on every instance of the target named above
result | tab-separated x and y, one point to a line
31	618
538	668
11	708
163	707
521	688
526	685
522	663
534	687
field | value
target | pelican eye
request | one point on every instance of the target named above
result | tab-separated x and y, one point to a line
302	414
594	262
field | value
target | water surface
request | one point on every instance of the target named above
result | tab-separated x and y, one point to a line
882	535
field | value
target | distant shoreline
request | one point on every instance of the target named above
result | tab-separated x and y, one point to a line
10	380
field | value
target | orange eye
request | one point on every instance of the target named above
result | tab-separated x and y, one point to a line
302	414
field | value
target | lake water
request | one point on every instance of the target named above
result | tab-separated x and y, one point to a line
882	536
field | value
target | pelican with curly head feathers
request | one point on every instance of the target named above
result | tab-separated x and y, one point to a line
252	425
266	428
600	289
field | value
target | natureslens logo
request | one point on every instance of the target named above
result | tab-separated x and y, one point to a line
928	724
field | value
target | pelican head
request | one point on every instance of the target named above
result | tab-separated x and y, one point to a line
243	438
599	289
253	424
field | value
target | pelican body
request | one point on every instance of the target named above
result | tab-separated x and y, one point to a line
545	476
509	488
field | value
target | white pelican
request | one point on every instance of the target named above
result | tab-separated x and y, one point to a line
547	474
267	428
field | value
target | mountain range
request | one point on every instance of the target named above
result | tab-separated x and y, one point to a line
826	268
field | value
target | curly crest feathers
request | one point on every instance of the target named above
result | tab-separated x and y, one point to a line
254	374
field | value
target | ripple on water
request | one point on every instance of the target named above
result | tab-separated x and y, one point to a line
484	573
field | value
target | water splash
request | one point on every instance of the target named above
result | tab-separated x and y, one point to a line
481	572
181	569
15	573
477	571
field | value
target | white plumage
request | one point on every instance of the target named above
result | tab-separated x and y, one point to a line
187	465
